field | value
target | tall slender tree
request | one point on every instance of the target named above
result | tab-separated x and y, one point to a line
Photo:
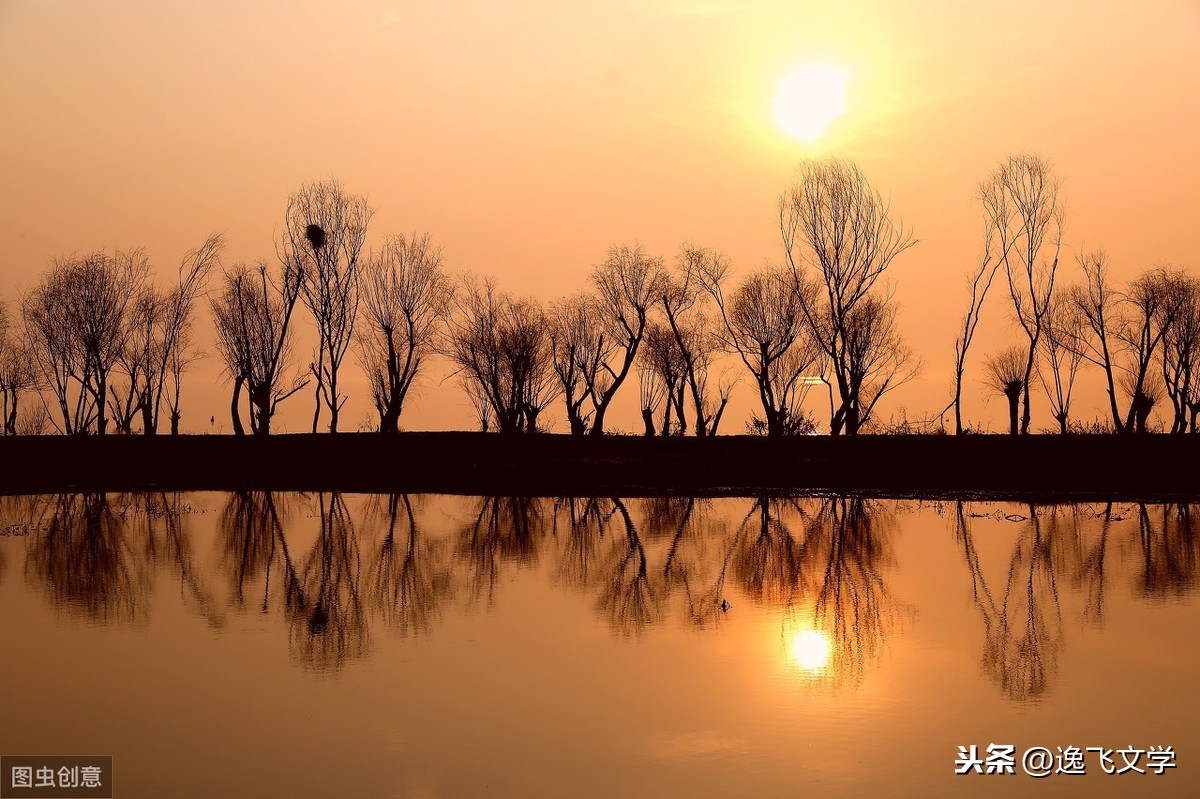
326	230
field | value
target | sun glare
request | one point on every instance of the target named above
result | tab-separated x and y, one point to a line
809	99
811	649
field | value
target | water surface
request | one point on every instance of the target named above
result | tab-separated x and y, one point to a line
261	644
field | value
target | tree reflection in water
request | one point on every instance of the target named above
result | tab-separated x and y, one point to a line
328	623
1169	550
628	600
83	556
692	568
1023	626
250	532
409	577
504	530
1023	629
819	562
850	542
766	559
163	521
579	525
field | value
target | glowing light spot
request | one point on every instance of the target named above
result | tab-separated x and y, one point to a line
812	650
809	99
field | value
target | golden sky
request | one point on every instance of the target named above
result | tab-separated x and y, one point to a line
526	137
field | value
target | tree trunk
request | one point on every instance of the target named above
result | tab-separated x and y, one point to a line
578	426
958	428
648	419
1014	400
234	411
148	426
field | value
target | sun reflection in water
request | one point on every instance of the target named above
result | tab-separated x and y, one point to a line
811	650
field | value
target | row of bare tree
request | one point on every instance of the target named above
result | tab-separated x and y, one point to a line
103	347
1144	336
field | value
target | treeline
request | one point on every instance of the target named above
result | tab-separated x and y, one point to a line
96	346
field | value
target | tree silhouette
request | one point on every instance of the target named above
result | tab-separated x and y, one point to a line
1062	355
682	298
253	314
18	374
578	350
1021	201
832	218
979	282
1006	375
627	284
1153	301
77	321
406	298
326	229
662	376
158	343
1181	358
764	326
503	349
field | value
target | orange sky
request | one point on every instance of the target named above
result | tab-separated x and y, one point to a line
527	137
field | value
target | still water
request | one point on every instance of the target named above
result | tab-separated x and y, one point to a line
326	645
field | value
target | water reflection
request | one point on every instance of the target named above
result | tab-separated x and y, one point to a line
1022	615
323	601
82	555
853	602
1170	546
410	576
504	530
337	572
250	535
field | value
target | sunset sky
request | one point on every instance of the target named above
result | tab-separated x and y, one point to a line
527	137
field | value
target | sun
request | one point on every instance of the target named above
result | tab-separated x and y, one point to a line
808	99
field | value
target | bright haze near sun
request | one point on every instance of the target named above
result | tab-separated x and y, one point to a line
808	99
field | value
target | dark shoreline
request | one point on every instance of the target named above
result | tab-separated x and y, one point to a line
1039	468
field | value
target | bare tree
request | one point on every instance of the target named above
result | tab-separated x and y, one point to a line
504	351
1096	301
683	293
77	323
253	314
661	357
979	282
874	360
1021	201
406	297
832	218
192	280
157	346
651	391
1152	301
627	284
1062	355
1180	361
326	229
17	372
579	348
1006	375
764	326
